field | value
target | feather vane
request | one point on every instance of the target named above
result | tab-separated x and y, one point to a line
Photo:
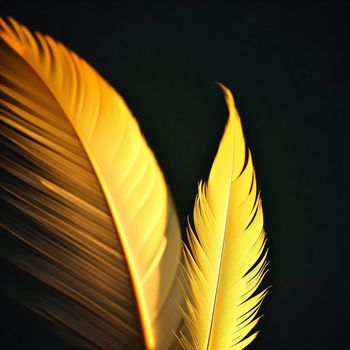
72	141
225	260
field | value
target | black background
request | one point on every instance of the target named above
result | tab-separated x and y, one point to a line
287	65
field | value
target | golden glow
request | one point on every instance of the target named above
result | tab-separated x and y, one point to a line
65	118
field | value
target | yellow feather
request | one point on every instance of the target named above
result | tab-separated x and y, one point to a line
226	258
62	84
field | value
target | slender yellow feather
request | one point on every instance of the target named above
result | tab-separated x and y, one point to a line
128	173
226	258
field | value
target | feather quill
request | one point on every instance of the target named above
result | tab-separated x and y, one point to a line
225	260
77	167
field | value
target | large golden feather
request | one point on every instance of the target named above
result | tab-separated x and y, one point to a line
226	258
87	211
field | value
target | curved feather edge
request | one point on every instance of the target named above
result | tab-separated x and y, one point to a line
225	260
129	175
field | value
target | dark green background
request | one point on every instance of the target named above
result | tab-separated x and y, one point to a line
287	64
